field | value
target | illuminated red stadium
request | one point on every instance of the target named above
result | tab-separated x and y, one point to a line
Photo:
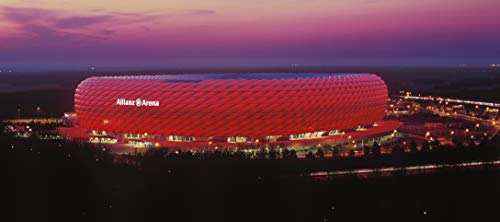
230	107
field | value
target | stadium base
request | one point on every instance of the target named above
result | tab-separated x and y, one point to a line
349	139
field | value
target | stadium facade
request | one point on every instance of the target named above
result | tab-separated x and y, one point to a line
230	108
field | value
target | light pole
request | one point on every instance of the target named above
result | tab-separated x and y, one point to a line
341	138
451	134
18	113
465	134
349	140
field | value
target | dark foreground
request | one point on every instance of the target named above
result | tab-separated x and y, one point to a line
54	181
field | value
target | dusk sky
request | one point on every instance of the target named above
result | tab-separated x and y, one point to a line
250	32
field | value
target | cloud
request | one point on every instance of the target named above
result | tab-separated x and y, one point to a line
94	24
80	21
202	12
51	26
25	15
46	34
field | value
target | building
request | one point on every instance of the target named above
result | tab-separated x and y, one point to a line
201	109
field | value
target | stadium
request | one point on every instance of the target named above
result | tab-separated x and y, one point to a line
234	110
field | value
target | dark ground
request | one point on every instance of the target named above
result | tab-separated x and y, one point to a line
71	182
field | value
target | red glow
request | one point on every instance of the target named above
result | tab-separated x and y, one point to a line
231	107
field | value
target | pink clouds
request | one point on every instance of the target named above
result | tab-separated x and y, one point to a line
37	25
361	29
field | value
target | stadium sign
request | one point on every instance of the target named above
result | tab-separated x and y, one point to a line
137	102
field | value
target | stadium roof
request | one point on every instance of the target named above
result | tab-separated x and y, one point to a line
233	76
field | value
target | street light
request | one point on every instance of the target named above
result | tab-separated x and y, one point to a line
341	138
465	134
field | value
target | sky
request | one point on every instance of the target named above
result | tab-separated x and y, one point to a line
249	32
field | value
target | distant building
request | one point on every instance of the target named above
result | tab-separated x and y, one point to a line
69	119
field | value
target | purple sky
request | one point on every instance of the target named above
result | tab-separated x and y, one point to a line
250	33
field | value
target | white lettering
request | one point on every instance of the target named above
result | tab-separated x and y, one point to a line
137	102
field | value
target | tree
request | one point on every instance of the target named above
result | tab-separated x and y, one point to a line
320	153
425	146
262	153
336	151
376	149
286	154
310	155
272	154
351	153
413	146
366	150
397	150
435	144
